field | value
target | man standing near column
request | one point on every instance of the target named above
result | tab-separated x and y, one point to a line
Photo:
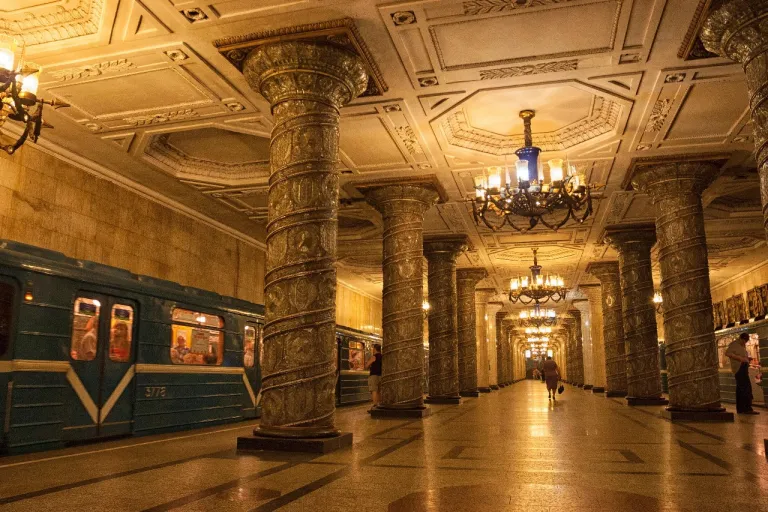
737	353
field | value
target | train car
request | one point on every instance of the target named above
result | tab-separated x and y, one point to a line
89	351
354	349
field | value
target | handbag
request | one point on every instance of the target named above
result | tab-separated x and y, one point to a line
560	389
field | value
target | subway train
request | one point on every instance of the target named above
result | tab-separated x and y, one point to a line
89	351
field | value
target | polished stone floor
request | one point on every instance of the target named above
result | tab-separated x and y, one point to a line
511	450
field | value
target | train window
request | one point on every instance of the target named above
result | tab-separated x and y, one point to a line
7	301
249	346
121	333
196	342
85	329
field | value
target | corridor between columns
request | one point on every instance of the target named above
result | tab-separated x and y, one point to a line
510	450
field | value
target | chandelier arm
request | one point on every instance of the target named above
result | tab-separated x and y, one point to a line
508	220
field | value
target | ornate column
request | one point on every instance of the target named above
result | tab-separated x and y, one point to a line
466	280
306	84
509	330
402	208
441	253
634	243
500	335
578	347
586	336
481	321
493	310
613	326
675	189
594	298
738	31
570	351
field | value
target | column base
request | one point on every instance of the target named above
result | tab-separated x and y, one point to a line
502	385
484	390
447	400
598	389
494	387
422	412
611	394
306	445
632	400
473	394
587	387
713	416
579	385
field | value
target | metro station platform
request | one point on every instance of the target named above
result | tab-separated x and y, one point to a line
509	450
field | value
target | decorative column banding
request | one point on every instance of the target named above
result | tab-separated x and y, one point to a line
675	189
613	326
634	243
441	253
402	208
587	377
500	335
466	280
738	30
306	84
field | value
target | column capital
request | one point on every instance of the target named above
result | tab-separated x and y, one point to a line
442	247
576	314
665	179
305	70
475	275
605	271
494	308
483	295
631	236
737	30
383	197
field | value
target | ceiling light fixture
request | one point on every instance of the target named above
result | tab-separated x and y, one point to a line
537	317
531	196
18	93
658	302
537	288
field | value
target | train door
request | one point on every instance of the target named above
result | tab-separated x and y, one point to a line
101	355
8	294
253	350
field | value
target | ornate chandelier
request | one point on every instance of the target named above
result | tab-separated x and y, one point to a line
538	316
531	195
537	288
18	93
538	330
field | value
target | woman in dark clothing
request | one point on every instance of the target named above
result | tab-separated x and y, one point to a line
552	377
374	379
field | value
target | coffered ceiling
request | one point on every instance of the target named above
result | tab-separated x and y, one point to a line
611	81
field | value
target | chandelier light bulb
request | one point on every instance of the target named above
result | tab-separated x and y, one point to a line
30	83
514	284
522	170
524	282
657	298
7	52
425	305
556	169
494	178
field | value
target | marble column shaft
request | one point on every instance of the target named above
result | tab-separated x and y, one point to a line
466	280
613	325
306	84
578	346
493	357
738	30
402	208
570	350
441	254
675	190
634	244
500	335
481	321
594	298
509	329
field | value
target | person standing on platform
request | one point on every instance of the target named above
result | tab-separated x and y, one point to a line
542	372
551	377
737	353
374	379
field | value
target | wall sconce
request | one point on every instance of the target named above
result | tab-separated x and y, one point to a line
425	307
658	302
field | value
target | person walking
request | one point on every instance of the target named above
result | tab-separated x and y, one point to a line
737	353
551	377
374	378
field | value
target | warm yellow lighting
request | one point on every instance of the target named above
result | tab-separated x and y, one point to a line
523	315
201	319
28	296
30	82
522	170
494	178
550	353
425	306
527	354
97	303
539	280
480	193
7	52
556	169
657	298
524	282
